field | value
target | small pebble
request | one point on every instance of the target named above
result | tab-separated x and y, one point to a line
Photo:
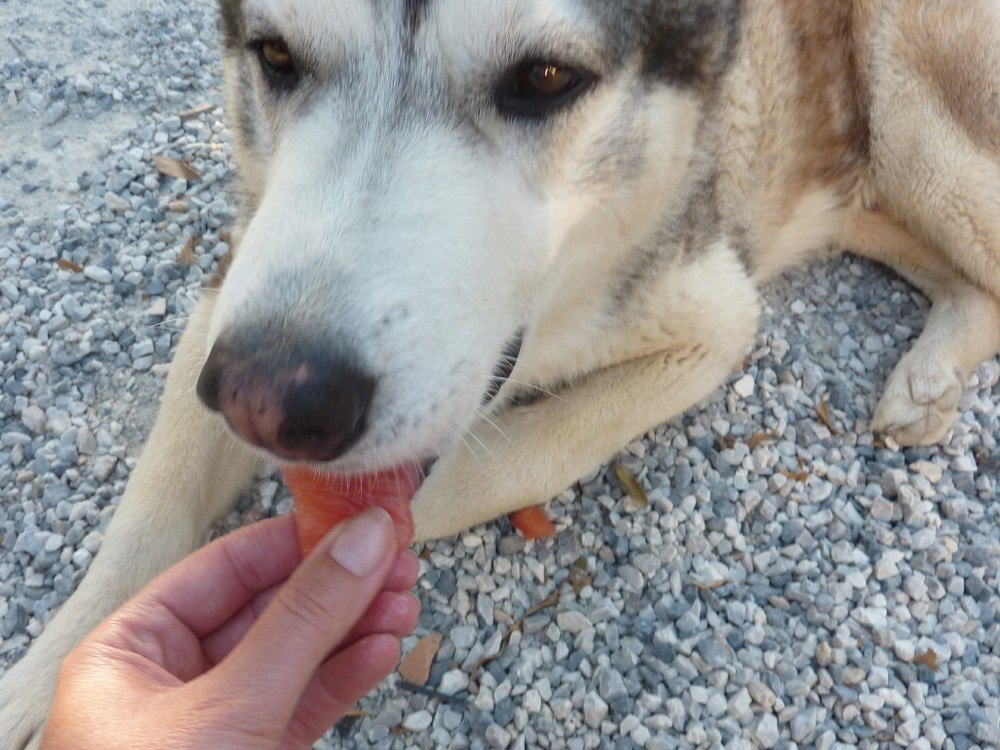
594	710
419	721
766	731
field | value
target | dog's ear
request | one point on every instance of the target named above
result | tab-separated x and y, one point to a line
691	42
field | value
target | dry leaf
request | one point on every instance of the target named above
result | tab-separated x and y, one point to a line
635	490
824	414
416	665
195	111
187	256
175	168
549	601
755	441
988	463
724	443
801	476
710	586
579	576
928	658
68	265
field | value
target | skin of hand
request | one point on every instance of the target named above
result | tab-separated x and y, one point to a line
239	645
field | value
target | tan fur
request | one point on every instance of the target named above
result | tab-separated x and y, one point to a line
947	44
794	117
870	125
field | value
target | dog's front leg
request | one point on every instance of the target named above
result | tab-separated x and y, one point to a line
527	454
189	473
546	446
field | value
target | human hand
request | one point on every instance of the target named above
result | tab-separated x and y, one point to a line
222	651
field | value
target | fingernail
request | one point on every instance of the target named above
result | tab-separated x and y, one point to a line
363	541
407	600
416	603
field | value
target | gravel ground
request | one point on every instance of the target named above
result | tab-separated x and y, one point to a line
791	583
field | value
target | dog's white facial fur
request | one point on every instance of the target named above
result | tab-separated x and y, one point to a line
403	219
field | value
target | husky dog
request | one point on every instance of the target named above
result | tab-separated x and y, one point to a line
511	235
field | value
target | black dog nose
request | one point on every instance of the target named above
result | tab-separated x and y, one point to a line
297	402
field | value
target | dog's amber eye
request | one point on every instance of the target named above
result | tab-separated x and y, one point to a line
276	56
533	89
546	80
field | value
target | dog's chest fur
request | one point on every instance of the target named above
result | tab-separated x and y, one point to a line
793	126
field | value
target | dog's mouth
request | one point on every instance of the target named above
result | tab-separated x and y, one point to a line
395	487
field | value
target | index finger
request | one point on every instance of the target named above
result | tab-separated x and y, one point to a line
204	590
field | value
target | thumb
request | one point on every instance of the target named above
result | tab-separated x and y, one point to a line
312	613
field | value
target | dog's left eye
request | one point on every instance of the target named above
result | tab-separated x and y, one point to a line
534	88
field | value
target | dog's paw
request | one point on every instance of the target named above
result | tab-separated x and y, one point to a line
920	403
24	706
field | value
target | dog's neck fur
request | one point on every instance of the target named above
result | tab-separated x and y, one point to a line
793	141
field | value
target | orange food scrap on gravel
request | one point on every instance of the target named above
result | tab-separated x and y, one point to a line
323	500
533	523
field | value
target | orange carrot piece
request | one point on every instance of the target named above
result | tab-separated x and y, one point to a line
324	500
533	523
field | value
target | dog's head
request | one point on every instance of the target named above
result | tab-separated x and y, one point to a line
417	174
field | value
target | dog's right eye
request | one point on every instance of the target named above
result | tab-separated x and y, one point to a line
536	88
277	62
276	56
